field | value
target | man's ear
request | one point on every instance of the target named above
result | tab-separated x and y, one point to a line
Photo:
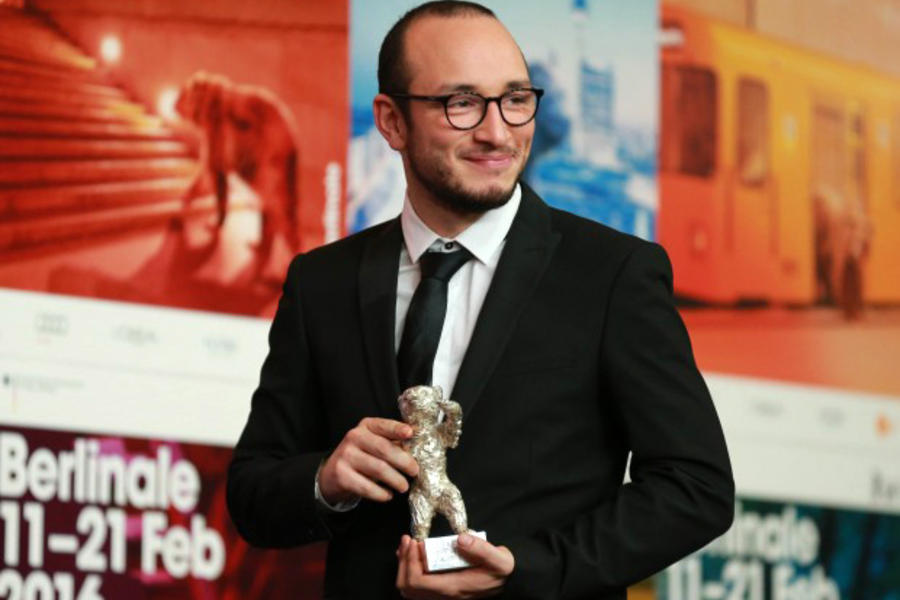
390	121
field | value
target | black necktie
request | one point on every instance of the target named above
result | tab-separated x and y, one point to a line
425	318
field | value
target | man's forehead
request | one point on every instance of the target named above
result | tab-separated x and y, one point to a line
456	86
463	53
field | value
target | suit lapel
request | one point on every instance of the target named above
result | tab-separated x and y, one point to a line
529	247
377	303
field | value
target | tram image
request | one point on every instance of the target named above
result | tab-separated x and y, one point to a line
779	171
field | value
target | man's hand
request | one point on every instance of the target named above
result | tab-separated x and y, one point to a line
369	454
491	565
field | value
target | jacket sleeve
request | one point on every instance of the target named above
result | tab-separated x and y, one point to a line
681	493
271	478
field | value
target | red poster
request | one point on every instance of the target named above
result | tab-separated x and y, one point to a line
169	153
90	516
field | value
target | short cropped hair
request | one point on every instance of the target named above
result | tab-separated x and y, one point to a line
393	69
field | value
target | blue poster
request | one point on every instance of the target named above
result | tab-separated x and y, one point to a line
594	151
786	550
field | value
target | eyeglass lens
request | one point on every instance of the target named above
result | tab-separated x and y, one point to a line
516	107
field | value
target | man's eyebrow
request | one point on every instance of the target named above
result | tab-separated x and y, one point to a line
521	83
450	88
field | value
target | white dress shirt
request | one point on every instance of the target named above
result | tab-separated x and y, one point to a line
466	290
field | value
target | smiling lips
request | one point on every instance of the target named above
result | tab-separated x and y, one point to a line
491	162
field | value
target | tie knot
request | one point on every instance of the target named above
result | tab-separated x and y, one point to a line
442	265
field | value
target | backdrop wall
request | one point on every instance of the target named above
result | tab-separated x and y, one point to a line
161	162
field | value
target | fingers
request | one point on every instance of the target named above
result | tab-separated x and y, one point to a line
380	447
480	552
388	428
479	581
413	584
402	569
377	469
416	558
368	455
410	571
356	484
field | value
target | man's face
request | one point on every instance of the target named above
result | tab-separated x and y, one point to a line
474	170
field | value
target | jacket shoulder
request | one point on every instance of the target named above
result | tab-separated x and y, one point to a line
333	258
593	240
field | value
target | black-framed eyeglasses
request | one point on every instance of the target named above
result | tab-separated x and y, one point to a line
466	110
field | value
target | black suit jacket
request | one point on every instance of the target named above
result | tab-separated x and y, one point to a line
577	358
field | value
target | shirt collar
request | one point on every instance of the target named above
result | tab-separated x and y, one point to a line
482	238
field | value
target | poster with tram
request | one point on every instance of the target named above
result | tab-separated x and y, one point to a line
779	207
777	170
779	203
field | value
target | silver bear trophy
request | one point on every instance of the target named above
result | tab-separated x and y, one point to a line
432	491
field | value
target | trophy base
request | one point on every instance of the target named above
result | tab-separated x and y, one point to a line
441	555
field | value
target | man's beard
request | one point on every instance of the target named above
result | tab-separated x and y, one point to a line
451	193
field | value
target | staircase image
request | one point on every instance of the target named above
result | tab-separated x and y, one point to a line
92	189
80	162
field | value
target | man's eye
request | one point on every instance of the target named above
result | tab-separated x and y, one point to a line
460	102
517	98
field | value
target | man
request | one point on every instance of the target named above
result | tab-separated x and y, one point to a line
560	342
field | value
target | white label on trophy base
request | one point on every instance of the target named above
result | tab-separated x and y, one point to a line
441	555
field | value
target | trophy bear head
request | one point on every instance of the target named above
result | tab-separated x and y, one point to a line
421	405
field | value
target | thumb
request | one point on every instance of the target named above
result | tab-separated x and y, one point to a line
480	552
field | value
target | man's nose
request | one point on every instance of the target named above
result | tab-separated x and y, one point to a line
492	129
